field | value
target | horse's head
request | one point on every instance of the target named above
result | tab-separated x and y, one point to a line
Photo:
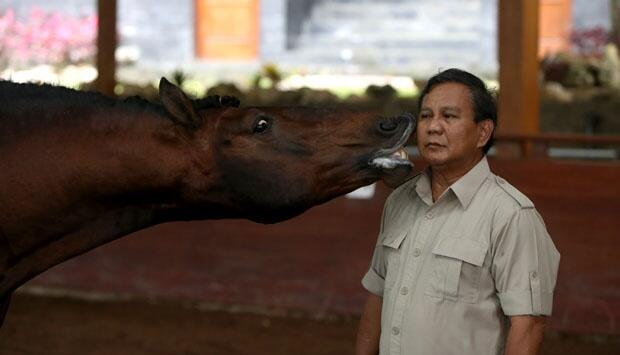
272	163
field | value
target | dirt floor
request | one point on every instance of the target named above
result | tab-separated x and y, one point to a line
55	326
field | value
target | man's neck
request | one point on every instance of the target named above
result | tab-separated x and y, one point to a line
443	176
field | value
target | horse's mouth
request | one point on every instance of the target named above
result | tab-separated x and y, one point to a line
396	156
392	160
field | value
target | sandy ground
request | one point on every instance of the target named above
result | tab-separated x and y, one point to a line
61	326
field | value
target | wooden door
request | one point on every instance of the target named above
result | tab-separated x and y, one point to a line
555	26
227	29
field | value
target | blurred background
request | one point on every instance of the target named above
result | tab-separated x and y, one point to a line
236	287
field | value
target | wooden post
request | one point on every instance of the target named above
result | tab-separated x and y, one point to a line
106	47
614	7
519	102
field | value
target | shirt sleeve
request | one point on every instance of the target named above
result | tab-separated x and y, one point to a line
525	265
374	280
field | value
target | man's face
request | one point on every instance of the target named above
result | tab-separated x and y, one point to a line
447	134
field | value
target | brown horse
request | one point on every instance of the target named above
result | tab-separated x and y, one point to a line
78	169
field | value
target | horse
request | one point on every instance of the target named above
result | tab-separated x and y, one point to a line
79	169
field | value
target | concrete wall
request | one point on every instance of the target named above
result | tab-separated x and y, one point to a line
162	32
72	7
591	13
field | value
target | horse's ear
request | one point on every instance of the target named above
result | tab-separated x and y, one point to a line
178	105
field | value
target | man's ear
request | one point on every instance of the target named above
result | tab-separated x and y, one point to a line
485	130
178	105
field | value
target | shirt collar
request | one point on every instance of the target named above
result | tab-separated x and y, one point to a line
464	188
423	187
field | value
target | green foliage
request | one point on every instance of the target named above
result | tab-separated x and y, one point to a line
381	92
268	77
581	74
226	89
572	71
610	68
179	77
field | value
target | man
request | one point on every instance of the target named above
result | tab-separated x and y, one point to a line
463	263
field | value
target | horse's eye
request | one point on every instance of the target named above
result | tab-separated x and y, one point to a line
261	126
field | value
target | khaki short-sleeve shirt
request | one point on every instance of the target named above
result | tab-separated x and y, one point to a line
452	272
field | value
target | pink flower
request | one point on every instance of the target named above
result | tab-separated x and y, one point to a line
51	38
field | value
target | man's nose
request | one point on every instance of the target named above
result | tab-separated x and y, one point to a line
434	125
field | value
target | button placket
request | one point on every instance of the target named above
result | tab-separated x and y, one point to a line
399	301
411	272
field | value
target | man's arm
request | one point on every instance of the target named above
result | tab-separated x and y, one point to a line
525	335
369	329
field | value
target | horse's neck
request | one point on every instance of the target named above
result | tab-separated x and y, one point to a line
56	182
69	190
105	228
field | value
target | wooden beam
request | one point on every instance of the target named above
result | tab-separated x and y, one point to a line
106	47
519	102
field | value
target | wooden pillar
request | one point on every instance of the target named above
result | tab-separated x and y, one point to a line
614	7
519	106
106	47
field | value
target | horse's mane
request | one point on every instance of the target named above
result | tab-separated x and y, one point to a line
9	89
11	92
25	108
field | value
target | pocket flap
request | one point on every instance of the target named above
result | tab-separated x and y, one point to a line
393	239
467	250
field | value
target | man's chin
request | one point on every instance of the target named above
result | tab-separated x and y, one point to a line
434	159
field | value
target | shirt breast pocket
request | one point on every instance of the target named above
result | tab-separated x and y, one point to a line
457	266
392	242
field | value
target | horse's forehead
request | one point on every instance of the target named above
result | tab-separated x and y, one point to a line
308	117
305	114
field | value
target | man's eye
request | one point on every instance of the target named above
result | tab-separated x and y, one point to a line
424	116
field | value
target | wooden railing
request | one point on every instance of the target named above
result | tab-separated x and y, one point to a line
537	145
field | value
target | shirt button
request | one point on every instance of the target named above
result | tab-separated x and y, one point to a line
429	215
404	291
395	331
417	252
534	274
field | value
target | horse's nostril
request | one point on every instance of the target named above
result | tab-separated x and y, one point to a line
388	125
